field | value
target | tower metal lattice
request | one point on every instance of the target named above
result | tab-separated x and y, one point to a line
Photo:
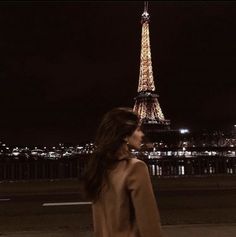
146	102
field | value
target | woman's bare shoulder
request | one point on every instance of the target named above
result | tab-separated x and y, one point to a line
134	161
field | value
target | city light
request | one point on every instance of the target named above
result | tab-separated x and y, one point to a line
183	131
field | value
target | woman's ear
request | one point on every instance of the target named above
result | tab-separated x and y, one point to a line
126	140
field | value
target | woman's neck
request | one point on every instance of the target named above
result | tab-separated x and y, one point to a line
123	151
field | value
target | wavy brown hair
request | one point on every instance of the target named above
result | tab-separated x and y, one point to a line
114	127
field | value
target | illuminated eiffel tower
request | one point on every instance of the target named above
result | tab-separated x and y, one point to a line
146	102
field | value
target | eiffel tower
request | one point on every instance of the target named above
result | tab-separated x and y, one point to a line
146	102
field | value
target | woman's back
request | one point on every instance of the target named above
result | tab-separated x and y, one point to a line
127	207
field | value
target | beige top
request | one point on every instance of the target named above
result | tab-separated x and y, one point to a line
128	208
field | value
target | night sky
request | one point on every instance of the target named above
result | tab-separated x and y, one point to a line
64	64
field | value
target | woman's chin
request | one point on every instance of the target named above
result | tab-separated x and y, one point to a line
137	147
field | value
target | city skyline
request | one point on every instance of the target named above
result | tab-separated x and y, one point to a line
64	65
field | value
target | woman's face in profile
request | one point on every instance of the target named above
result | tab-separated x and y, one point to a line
135	140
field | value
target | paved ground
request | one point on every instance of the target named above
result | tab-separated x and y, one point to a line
169	231
160	183
189	207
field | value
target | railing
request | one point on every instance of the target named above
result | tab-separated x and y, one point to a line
74	166
42	169
201	165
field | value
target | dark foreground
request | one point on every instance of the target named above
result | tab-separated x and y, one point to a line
181	202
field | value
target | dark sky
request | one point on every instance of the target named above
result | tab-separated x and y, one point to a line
64	64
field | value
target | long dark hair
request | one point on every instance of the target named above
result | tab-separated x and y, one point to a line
115	126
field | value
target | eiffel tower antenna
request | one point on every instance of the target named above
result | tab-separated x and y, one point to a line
145	6
145	15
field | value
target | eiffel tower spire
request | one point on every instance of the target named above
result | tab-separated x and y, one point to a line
146	81
146	102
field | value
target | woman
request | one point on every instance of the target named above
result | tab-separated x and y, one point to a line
119	185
